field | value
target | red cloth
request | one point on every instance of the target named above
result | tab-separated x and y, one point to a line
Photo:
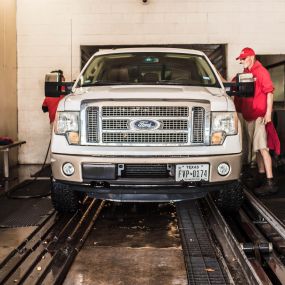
254	107
51	103
5	140
273	141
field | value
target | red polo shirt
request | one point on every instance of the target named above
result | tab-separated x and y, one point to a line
254	107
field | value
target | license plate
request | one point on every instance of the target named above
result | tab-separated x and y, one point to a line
192	172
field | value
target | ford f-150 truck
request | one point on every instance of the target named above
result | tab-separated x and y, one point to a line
146	124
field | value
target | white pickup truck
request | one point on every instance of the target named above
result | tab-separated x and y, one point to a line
146	124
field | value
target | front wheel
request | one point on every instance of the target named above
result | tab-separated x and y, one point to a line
230	198
64	199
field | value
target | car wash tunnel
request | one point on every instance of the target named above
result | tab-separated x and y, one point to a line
142	142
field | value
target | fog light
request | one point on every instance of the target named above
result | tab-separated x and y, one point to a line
223	169
68	169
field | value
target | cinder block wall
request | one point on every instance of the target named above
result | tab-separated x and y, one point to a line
8	74
50	32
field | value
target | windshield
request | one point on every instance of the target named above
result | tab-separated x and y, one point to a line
148	68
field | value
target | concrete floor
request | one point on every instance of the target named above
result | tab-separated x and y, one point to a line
128	245
123	265
11	238
131	246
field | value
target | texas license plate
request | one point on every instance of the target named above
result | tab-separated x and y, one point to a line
192	172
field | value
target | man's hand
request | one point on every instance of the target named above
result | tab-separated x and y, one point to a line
267	118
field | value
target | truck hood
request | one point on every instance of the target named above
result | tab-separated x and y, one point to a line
216	96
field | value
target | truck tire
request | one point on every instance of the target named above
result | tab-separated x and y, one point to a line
230	198
64	199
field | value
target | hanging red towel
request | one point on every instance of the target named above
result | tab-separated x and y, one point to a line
273	141
5	140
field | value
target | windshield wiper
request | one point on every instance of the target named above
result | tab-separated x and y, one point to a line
169	82
102	83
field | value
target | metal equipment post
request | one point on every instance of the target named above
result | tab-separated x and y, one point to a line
6	162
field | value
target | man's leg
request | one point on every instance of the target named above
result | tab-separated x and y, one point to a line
249	178
266	163
259	161
263	159
261	176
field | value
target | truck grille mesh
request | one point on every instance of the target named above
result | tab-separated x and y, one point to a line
115	125
143	138
145	111
112	124
198	122
92	123
145	170
174	124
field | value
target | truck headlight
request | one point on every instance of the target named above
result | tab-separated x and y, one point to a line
223	124
67	123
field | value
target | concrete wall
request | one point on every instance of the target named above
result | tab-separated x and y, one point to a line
50	33
8	72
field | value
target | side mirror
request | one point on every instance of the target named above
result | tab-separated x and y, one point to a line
243	87
54	87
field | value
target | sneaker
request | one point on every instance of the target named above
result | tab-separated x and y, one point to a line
270	187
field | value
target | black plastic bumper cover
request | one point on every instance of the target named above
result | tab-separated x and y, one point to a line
148	193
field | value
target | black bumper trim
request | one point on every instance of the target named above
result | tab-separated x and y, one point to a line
147	193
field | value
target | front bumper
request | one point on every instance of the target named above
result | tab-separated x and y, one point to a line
57	161
109	186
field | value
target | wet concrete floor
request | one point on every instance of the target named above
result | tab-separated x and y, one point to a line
131	244
10	238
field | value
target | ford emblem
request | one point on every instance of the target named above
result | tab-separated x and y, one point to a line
145	125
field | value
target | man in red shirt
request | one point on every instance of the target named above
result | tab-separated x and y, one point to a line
256	112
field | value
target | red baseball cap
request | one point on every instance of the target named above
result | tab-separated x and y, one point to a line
245	53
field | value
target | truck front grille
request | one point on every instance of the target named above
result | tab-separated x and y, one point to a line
121	125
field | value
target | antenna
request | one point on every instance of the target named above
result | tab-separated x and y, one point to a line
71	49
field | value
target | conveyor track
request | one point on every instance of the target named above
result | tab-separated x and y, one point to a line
202	264
47	254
